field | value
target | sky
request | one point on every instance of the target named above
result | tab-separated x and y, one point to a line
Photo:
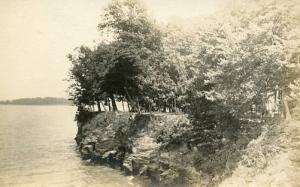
37	35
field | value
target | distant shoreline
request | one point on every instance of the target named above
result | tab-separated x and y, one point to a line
35	104
38	101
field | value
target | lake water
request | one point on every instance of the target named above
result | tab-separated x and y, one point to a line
37	148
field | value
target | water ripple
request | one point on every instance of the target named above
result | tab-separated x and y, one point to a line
37	148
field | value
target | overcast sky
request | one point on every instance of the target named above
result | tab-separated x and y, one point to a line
36	36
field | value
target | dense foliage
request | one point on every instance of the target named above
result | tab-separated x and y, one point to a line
244	60
242	66
232	73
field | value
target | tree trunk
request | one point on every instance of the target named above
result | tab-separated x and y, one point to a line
128	106
123	105
165	107
175	107
130	100
99	107
103	106
113	102
287	113
108	102
138	106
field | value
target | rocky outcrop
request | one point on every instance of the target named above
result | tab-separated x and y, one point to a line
136	143
165	150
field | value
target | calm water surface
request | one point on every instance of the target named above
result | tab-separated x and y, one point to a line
37	148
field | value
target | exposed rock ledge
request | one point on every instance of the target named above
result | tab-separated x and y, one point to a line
131	142
149	146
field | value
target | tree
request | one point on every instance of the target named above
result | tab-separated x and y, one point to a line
177	70
248	57
90	67
138	43
80	75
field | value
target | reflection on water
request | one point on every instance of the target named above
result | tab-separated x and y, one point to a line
37	148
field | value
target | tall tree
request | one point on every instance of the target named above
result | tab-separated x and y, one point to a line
81	77
138	43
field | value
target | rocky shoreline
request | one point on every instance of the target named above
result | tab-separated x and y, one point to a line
136	144
160	149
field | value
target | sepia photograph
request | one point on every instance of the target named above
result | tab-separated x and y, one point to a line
150	93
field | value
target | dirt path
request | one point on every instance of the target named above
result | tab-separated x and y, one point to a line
282	169
294	153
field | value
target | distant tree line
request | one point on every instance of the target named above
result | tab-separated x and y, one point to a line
37	101
245	62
